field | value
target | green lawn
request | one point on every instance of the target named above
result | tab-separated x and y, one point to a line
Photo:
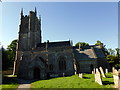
62	82
9	82
74	82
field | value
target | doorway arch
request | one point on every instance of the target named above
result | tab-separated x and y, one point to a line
36	73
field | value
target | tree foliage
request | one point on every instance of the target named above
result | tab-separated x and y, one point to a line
114	59
99	43
5	59
8	55
105	51
111	51
81	44
11	49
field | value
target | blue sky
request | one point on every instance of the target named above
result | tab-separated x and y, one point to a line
79	21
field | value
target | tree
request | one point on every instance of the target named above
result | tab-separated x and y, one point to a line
5	59
11	50
113	61
102	46
81	44
118	51
118	57
111	51
100	43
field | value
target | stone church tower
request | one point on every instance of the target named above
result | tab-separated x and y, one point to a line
29	35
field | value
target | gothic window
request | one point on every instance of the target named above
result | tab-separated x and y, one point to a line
51	67
62	64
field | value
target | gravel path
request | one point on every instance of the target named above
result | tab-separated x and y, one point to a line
24	84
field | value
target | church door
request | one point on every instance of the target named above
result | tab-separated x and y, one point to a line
36	73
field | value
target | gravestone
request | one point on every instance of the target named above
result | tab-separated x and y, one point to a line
106	70
81	75
98	78
92	72
115	71
75	73
116	76
63	74
102	72
113	68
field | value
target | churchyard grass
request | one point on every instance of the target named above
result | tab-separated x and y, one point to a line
9	82
74	82
108	81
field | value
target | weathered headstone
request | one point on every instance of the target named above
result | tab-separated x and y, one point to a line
106	70
63	74
116	76
81	75
92	72
102	72
115	72
113	68
75	73
98	78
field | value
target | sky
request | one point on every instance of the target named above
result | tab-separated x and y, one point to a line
62	21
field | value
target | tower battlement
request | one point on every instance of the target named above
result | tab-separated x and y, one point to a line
29	31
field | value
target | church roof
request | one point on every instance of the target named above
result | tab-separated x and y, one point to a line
54	44
88	52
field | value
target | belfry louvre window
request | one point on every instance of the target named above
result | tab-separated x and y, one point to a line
62	65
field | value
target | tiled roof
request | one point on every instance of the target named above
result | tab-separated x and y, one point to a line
88	52
54	44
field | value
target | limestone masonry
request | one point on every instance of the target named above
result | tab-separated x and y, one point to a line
37	60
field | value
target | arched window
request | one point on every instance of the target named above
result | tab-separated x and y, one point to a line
51	67
62	64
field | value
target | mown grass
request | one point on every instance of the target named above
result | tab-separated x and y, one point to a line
74	82
9	82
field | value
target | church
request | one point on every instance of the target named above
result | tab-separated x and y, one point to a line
37	60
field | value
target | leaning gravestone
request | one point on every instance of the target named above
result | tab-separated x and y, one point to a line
98	78
81	75
102	72
116	76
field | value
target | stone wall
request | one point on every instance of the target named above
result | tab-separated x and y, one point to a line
84	66
57	54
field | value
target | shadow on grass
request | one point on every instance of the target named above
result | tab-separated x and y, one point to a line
15	80
9	80
107	82
109	77
86	77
